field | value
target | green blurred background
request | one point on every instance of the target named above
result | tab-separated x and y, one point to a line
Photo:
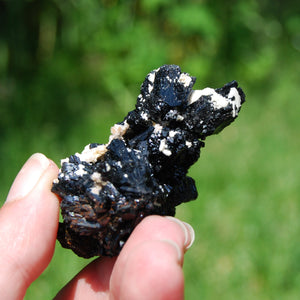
70	69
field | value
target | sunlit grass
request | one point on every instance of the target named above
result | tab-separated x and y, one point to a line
247	215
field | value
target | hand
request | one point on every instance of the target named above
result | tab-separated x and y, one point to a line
148	267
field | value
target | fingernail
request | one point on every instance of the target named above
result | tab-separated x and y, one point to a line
178	250
28	177
190	238
188	230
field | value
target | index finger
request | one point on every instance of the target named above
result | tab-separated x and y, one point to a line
28	227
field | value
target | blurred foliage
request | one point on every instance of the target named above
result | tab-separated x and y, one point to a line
70	69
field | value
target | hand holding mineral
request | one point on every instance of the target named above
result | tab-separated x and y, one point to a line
28	228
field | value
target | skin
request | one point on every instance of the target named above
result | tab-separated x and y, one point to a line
148	267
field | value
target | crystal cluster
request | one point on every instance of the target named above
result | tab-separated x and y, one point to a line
107	189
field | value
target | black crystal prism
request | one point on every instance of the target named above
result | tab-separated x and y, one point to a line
107	189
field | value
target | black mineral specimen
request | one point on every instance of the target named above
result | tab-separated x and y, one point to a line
109	188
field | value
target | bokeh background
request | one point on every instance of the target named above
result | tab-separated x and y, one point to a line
71	69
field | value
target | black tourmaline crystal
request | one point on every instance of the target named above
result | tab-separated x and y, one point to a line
107	189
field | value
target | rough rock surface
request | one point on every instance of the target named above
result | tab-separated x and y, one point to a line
107	189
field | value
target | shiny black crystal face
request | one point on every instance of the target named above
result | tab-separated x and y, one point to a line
108	189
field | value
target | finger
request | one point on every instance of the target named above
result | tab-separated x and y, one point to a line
149	265
152	272
28	226
91	283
